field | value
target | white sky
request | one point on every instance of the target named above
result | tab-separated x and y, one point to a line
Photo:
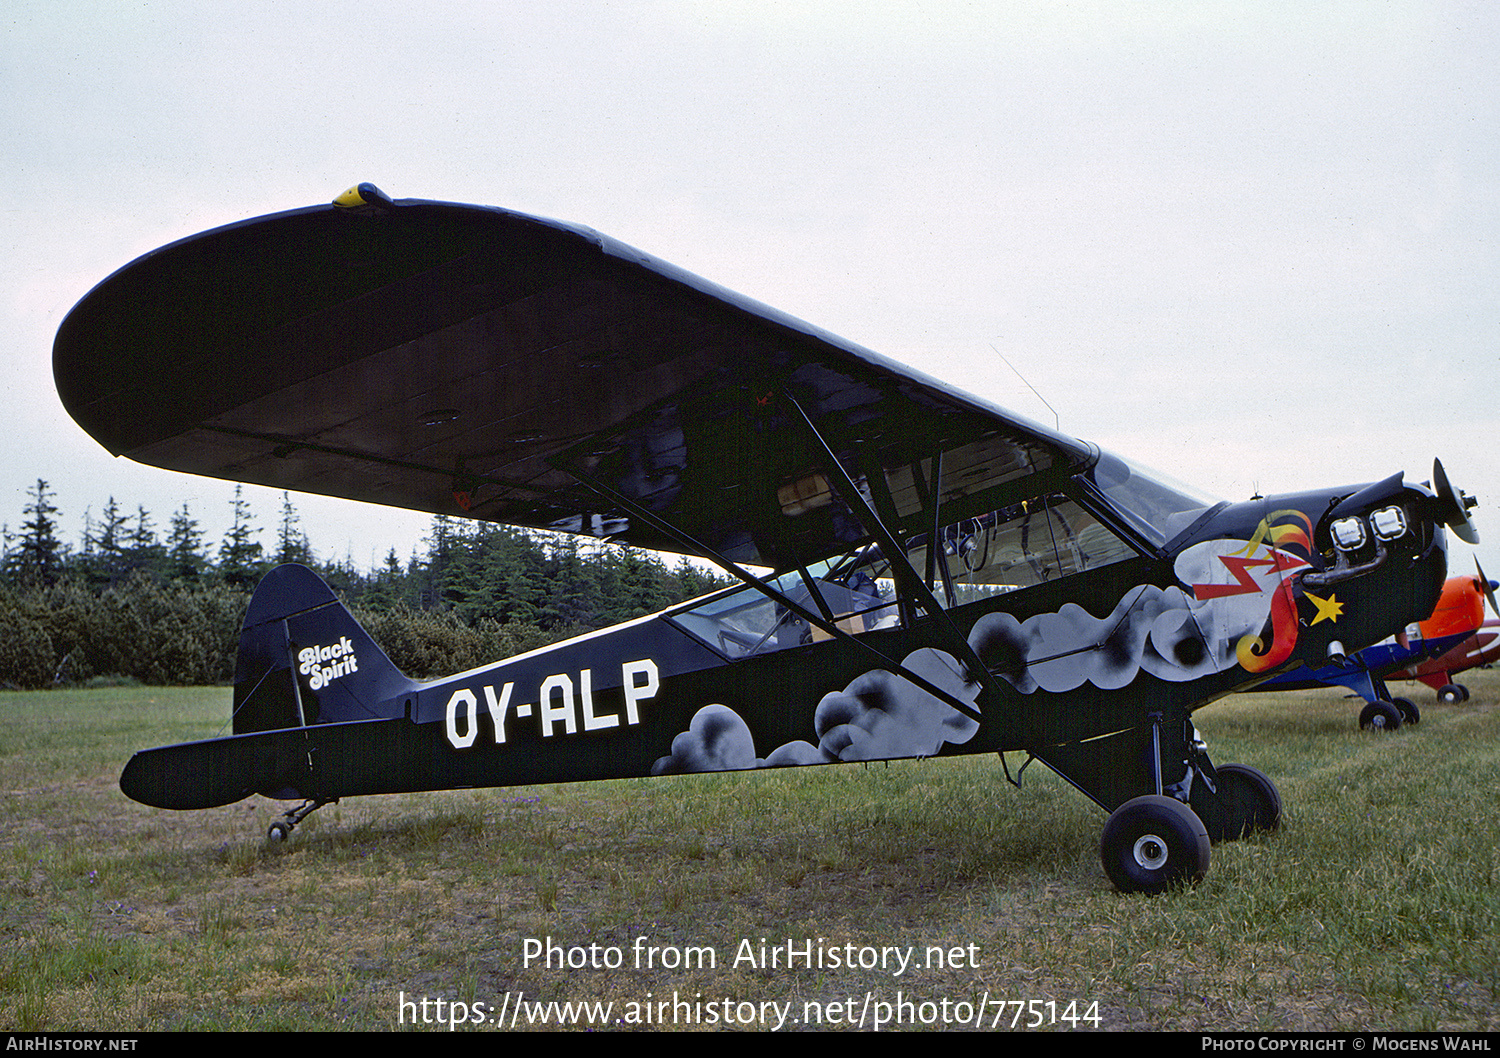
1256	245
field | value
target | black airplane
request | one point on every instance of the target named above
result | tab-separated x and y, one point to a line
920	573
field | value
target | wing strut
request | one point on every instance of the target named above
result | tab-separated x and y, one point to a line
937	562
817	620
900	564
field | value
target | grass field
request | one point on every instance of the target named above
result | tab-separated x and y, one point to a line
1376	906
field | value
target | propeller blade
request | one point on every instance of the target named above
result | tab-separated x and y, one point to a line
1455	513
1488	587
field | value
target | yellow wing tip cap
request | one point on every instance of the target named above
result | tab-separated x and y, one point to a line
363	195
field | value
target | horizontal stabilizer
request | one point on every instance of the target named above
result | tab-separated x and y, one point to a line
217	771
322	762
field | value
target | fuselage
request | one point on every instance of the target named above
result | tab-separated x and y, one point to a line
736	681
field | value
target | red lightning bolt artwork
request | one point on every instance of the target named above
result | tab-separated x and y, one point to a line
1252	651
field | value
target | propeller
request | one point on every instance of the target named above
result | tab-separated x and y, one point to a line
1453	506
1488	587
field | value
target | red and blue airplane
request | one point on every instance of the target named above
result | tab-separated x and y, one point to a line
1429	651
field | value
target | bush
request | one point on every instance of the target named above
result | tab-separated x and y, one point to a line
27	657
427	645
187	634
154	633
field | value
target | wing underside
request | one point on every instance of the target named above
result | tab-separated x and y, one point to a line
469	361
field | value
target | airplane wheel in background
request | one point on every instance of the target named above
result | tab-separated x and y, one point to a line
1408	710
1379	716
1250	802
1453	694
1152	843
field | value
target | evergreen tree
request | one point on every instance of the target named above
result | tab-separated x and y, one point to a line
573	600
38	557
104	541
110	532
142	548
693	580
291	543
343	577
186	560
636	586
507	571
87	538
240	555
388	585
432	573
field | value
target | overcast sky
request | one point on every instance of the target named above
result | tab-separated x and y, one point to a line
1255	245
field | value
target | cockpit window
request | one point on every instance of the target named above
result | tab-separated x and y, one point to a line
1026	544
968	560
745	622
1019	546
1155	505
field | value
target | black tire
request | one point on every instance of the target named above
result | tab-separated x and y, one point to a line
278	832
1380	716
1453	694
1153	843
1250	803
1408	710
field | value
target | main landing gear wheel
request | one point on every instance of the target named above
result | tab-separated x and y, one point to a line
1251	803
1152	843
1379	716
1408	710
1453	694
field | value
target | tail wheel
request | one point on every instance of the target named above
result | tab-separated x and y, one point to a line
1250	801
282	829
1152	843
1379	716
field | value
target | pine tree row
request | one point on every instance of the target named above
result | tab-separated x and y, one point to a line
129	604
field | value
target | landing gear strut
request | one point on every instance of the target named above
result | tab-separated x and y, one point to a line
1167	801
282	829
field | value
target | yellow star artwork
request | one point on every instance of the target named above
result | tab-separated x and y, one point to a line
1328	609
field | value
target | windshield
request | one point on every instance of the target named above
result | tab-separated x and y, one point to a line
1155	505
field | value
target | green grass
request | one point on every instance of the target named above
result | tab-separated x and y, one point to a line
1376	906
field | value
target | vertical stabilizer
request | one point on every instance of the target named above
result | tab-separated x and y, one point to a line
304	659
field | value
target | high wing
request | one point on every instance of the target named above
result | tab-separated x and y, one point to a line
476	362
